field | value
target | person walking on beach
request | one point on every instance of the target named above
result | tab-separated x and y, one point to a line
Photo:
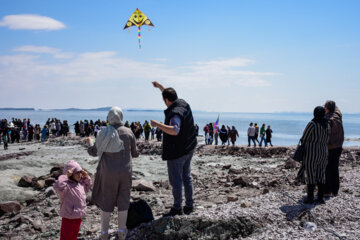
256	132
72	187
334	116
233	134
224	136
314	140
115	146
44	133
268	136
251	135
147	130
179	142
5	140
262	135
206	132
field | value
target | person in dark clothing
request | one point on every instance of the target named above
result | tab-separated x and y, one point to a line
334	116
30	132
314	140
197	129
158	133
224	135
256	133
268	136
77	128
179	142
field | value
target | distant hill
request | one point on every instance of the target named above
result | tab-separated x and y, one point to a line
21	109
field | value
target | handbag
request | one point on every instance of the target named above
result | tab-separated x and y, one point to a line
139	212
299	152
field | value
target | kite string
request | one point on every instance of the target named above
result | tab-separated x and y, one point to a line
139	36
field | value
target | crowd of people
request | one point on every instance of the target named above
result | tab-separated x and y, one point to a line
226	134
18	130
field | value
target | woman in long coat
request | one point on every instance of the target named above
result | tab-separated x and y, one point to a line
314	140
115	146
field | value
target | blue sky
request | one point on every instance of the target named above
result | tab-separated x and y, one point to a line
245	56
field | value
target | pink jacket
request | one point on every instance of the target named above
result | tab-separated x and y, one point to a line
72	194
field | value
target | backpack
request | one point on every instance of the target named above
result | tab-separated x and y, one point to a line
139	212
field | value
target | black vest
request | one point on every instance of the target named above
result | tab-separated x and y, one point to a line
180	145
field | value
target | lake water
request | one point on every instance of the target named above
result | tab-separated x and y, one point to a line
287	127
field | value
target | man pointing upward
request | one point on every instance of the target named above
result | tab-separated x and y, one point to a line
179	142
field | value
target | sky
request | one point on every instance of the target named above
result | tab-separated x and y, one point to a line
221	56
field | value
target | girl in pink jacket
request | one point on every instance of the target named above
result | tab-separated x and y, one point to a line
72	187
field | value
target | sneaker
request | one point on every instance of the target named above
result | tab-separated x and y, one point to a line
173	212
122	234
187	210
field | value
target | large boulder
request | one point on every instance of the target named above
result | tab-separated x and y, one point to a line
25	181
143	185
8	207
193	227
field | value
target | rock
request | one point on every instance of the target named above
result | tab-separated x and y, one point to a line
38	225
232	198
235	171
38	184
143	185
49	192
242	180
10	207
245	204
50	181
273	183
227	166
193	227
25	181
265	191
290	163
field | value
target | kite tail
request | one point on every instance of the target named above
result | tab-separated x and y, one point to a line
139	36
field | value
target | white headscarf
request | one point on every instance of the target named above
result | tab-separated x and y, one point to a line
108	139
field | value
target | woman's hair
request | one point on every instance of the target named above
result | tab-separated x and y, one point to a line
319	116
169	94
330	105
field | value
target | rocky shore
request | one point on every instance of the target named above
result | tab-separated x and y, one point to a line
240	192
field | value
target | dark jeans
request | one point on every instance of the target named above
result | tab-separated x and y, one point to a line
179	171
252	138
332	184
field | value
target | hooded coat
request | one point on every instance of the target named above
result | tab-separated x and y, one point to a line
72	194
112	183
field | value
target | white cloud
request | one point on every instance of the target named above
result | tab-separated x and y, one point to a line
108	76
37	49
91	67
31	22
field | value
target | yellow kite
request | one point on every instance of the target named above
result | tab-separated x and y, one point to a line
138	18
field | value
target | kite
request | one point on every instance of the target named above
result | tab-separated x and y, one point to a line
138	18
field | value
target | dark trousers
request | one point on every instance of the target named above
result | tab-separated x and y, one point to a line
311	188
252	138
332	184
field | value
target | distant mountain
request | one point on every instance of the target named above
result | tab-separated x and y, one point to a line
78	109
19	109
